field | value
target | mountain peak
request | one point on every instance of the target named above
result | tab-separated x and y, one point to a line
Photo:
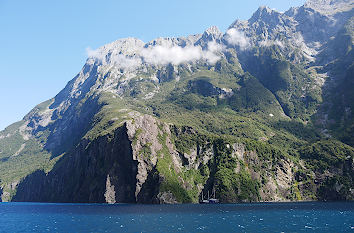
263	12
264	9
213	30
124	46
212	33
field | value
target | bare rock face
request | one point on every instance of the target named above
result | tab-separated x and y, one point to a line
143	132
5	196
166	198
330	7
110	194
284	176
270	191
102	170
111	169
275	186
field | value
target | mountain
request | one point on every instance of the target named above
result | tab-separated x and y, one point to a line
262	112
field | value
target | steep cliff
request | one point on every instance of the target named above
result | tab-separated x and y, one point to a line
148	161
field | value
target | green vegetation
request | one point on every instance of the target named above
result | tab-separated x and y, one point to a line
233	186
110	115
295	90
336	188
326	154
145	151
339	98
171	181
253	96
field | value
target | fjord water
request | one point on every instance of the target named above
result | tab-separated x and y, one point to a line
258	217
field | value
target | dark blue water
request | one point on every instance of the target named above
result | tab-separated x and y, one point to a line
260	217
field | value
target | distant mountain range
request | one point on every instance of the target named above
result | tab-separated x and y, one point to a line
262	112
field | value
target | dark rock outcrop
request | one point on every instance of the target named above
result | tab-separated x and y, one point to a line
81	175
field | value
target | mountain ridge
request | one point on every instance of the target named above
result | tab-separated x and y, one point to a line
215	110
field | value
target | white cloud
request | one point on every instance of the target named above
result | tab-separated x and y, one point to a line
163	55
211	55
215	47
267	43
120	60
91	53
235	37
126	62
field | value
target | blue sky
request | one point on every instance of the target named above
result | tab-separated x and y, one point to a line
43	43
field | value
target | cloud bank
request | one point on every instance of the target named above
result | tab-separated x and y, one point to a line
126	62
163	55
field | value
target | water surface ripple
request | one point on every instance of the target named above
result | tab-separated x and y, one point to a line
255	217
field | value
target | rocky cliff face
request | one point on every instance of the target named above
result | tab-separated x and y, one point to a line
262	112
140	163
87	173
119	167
